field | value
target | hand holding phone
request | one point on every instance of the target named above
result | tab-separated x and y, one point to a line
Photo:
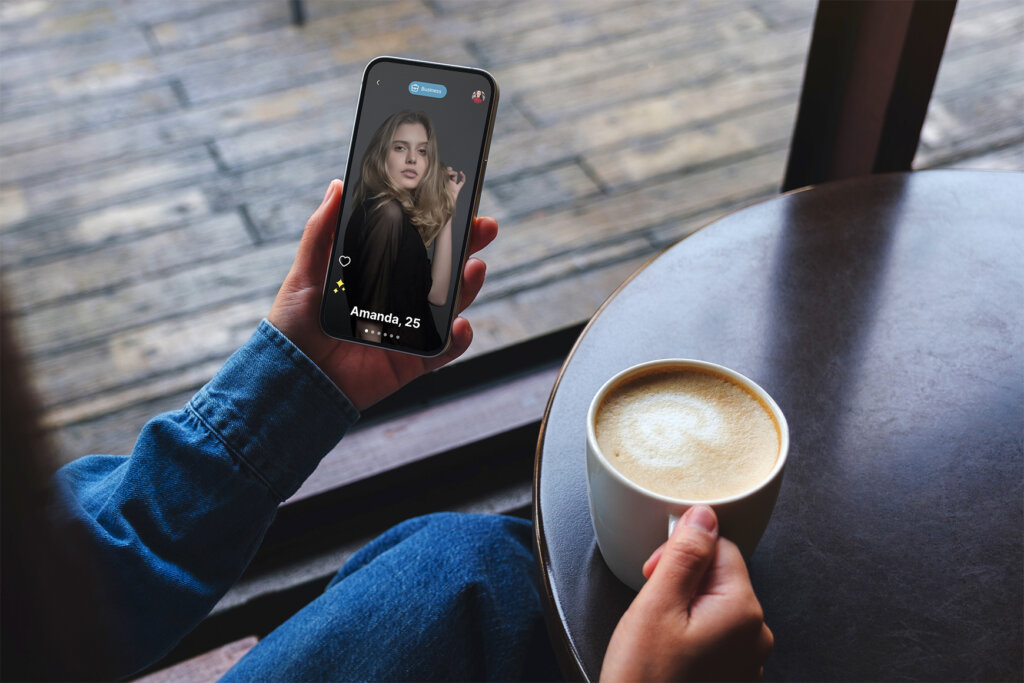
364	373
403	226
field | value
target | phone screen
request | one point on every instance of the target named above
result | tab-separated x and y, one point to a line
413	179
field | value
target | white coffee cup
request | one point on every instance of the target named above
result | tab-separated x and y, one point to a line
631	522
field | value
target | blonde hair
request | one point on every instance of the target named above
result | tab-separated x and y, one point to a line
429	206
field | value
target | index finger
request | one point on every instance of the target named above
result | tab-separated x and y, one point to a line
484	230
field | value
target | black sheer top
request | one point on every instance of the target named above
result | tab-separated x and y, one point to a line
389	272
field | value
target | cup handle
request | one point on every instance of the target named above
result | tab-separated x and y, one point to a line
672	520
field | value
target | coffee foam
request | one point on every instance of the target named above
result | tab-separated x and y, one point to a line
687	433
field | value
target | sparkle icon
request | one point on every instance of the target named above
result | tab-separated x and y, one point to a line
339	285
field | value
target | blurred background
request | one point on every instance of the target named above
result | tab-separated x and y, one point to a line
158	160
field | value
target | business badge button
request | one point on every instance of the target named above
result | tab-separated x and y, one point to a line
428	89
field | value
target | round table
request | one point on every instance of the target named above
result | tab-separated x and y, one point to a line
884	315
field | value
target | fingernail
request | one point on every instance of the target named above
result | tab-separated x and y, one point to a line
701	517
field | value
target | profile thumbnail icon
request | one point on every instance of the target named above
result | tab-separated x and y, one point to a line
478	96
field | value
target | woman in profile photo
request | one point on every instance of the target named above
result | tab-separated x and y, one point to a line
404	201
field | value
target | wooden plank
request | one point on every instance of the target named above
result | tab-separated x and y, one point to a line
155	11
206	667
729	66
767	128
122	183
593	63
52	125
585	26
976	104
218	121
323	49
17	13
555	186
27	25
65	57
150	256
259	271
784	14
90	151
254	71
47	240
980	71
567	266
1009	158
404	29
959	127
279	215
131	139
322	128
106	78
613	128
543	309
278	179
544	236
491	26
979	7
265	108
13	208
222	23
487	20
980	31
143	363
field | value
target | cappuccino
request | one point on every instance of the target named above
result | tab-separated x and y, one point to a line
687	433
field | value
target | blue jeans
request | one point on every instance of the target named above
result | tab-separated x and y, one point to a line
441	597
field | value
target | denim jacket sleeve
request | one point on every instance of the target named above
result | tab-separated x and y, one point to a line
171	527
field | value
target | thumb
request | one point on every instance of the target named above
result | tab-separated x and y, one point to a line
687	555
462	336
315	245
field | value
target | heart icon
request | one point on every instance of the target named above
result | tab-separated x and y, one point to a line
344	260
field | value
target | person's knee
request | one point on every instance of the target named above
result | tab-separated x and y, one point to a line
480	547
476	534
468	544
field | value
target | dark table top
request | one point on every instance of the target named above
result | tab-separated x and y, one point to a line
884	314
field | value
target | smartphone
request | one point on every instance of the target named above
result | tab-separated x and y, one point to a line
412	183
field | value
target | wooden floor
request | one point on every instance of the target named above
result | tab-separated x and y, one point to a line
160	158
